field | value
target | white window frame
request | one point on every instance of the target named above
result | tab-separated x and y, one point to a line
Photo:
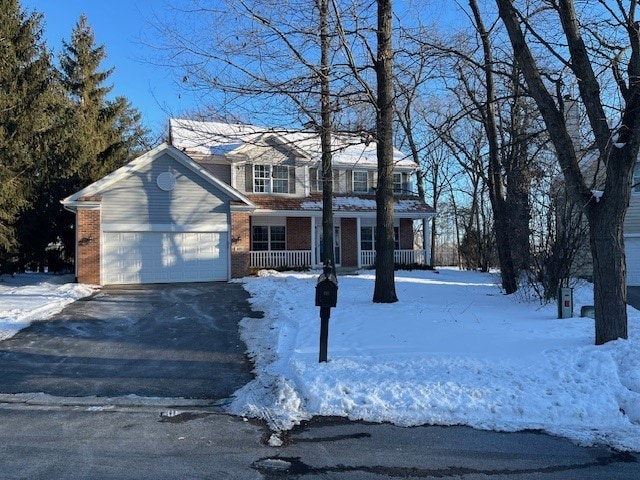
270	223
354	181
398	186
261	178
372	241
271	178
318	183
280	179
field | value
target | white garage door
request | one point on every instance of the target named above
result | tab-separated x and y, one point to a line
632	254
163	257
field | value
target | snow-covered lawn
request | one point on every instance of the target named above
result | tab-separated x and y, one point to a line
452	351
29	297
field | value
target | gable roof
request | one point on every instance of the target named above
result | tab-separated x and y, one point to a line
96	188
217	138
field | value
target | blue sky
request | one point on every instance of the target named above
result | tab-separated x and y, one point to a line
119	25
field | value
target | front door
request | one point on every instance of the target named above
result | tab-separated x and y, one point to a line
336	243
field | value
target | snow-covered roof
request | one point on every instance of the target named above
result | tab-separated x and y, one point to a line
403	207
218	138
359	203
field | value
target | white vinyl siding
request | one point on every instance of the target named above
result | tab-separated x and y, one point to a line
632	254
137	199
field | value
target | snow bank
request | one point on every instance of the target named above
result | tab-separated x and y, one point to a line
29	297
453	350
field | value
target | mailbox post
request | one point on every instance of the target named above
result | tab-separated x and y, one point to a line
326	298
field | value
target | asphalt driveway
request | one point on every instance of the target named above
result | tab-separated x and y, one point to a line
178	340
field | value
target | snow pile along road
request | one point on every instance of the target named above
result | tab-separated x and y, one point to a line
453	350
29	297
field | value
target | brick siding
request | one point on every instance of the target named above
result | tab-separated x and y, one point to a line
88	237
349	232
240	244
298	233
406	234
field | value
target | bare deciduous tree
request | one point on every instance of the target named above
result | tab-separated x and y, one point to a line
616	149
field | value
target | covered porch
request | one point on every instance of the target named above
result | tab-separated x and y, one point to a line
286	233
296	242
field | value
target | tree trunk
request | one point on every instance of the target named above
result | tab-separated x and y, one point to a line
609	274
519	216
495	180
325	139
385	289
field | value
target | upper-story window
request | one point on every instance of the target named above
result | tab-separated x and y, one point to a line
360	182
272	179
280	179
636	178
262	178
398	184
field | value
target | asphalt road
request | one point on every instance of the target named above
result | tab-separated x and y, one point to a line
112	443
176	340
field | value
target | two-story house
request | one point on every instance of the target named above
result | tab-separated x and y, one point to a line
218	201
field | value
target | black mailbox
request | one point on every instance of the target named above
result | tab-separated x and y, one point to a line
327	290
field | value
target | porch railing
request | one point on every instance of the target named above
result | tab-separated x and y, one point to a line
283	258
401	257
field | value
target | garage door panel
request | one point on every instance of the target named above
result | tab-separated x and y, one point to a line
162	257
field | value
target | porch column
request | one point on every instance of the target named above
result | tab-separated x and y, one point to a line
313	242
426	239
358	242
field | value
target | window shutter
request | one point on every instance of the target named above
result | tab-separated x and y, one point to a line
370	181
313	179
336	182
349	181
292	179
248	177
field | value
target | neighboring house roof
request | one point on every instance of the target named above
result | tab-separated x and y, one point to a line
410	207
217	138
93	191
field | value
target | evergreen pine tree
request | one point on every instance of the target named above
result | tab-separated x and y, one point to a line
90	137
25	116
106	133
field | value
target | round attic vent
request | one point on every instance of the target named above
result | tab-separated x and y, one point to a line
166	181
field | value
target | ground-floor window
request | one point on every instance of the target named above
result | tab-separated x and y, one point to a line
268	237
368	238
